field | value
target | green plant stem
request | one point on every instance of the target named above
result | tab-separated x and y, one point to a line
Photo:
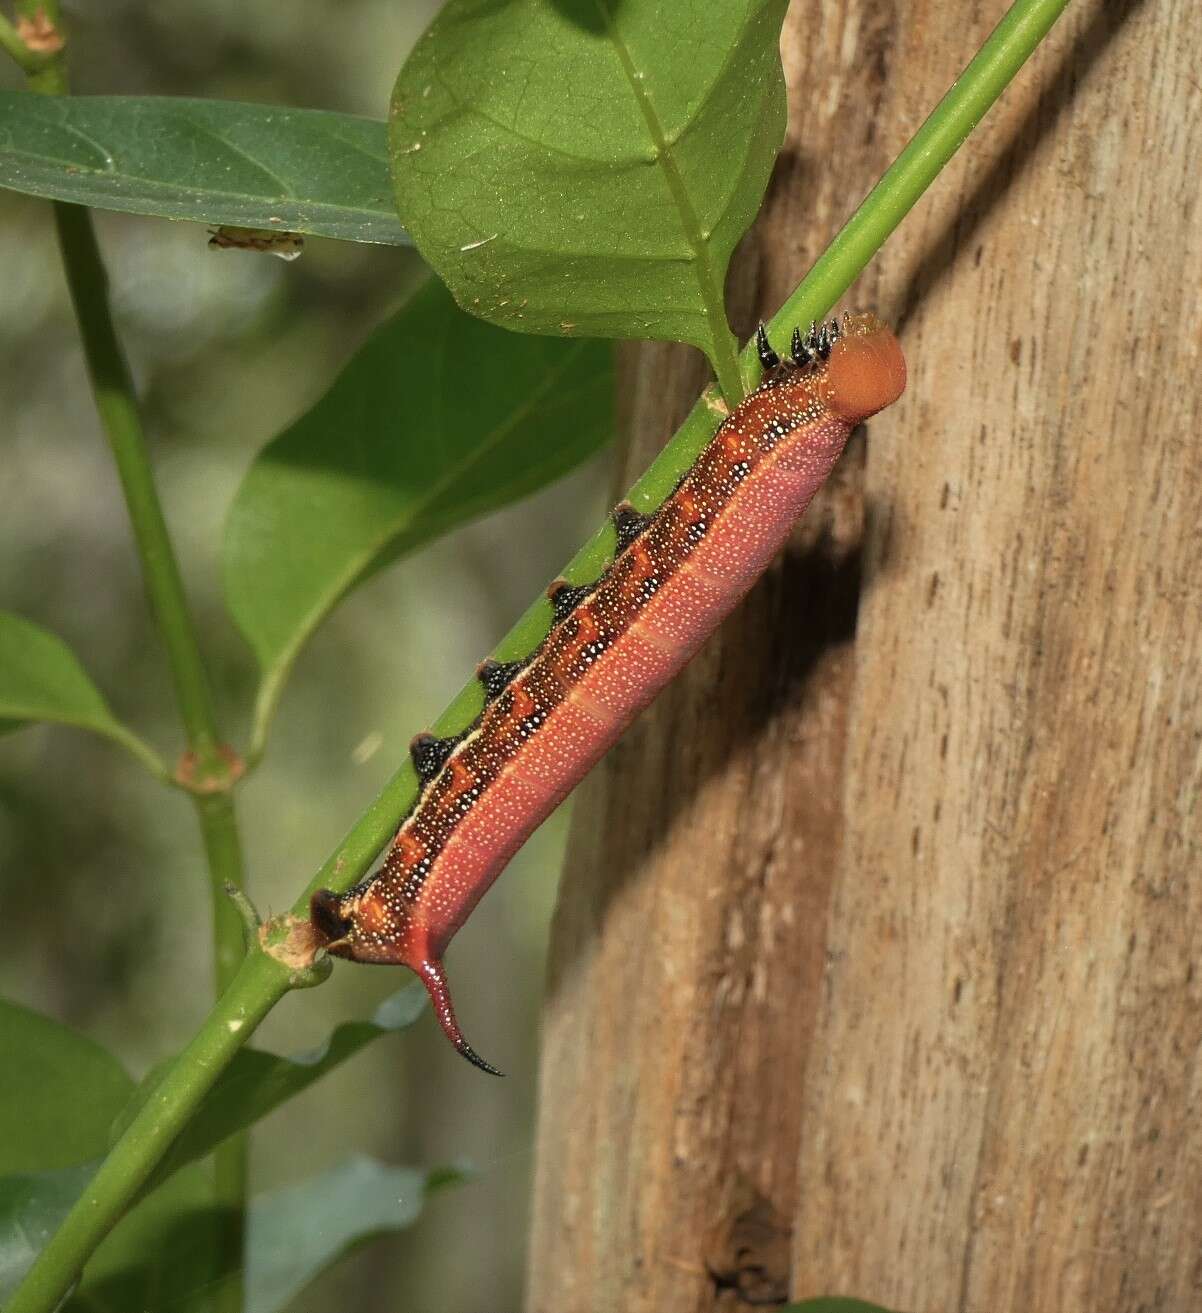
31	9
231	1160
46	74
118	407
261	981
137	747
972	94
117	404
219	830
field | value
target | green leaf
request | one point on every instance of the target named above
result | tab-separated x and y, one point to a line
255	1083
437	419
295	1233
166	1253
59	1093
169	1244
40	679
31	1208
587	166
214	161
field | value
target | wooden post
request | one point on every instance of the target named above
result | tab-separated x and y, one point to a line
877	964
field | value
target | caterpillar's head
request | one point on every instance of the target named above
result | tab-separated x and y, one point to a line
333	925
362	926
866	371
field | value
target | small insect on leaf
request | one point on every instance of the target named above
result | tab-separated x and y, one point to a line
288	246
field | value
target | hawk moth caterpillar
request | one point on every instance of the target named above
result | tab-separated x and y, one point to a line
613	644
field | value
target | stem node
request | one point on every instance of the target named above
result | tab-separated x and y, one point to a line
292	941
205	773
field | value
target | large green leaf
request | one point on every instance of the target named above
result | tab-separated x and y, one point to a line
293	1234
174	1220
587	166
40	679
166	1253
31	1207
215	161
255	1083
59	1093
438	418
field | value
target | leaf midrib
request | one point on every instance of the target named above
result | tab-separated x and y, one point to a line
690	223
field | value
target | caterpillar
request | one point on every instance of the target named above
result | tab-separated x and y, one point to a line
612	646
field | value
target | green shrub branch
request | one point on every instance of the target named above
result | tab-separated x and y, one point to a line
208	771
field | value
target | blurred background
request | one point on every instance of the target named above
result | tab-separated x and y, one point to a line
103	887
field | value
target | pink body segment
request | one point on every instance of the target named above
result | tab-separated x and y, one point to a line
682	570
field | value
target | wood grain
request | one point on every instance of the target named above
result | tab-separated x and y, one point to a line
1002	1116
876	965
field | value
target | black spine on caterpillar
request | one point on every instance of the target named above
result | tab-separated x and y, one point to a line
496	676
430	755
628	524
768	358
566	597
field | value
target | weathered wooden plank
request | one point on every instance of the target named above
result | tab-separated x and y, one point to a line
1003	1116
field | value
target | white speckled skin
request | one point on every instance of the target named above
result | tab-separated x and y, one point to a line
604	661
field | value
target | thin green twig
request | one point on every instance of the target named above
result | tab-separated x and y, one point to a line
117	404
231	1160
944	132
261	981
138	748
208	772
45	73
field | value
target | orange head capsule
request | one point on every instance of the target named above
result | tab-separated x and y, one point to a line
866	371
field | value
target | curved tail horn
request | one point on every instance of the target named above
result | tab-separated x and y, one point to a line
435	981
